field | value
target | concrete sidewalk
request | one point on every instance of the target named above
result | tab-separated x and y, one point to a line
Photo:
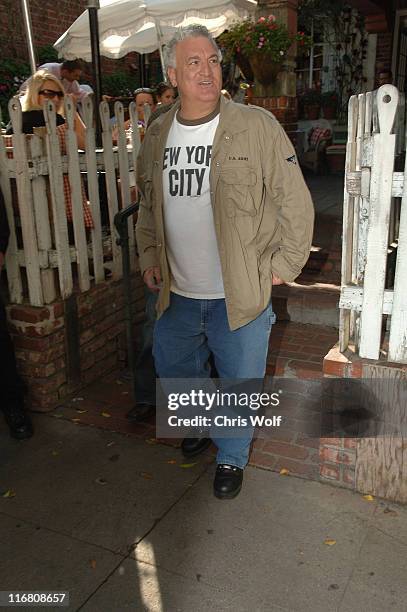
123	524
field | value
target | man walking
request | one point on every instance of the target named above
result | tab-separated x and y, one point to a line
225	214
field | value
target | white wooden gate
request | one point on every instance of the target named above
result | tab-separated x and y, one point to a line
42	263
373	219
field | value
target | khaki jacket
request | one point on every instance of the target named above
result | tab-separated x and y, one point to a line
262	208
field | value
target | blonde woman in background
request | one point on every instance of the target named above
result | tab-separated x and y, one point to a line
45	86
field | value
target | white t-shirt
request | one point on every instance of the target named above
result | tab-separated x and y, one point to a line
192	247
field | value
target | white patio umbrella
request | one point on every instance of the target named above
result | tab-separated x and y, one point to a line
145	25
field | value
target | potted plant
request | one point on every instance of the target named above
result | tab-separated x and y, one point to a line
311	102
329	103
264	43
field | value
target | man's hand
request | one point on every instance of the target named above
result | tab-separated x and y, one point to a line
277	280
152	278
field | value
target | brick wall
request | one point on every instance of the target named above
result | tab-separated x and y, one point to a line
284	108
40	338
49	22
384	51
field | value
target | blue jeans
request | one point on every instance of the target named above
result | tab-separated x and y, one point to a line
186	334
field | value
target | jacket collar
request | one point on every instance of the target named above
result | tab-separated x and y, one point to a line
230	119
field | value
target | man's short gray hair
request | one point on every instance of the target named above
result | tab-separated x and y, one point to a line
192	31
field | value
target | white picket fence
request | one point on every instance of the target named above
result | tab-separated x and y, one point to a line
41	262
374	217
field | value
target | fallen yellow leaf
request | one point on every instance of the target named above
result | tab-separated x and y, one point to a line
146	475
9	493
80	411
55	453
187	465
172	461
330	542
75	420
107	415
284	472
151	441
368	497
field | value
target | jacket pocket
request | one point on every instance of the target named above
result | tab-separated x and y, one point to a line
236	184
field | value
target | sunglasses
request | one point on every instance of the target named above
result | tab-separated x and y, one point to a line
51	93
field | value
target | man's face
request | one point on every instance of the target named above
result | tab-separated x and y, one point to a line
198	75
72	75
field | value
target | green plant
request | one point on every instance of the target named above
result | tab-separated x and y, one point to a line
118	84
264	36
13	73
311	97
46	54
329	99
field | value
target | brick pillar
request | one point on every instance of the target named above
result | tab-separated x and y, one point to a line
40	336
280	96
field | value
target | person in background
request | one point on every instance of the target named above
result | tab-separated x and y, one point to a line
69	73
144	95
384	77
45	86
12	393
166	94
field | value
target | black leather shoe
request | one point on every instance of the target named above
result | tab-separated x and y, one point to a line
194	446
228	481
140	413
19	424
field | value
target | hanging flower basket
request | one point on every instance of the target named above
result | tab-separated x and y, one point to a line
265	70
265	43
244	64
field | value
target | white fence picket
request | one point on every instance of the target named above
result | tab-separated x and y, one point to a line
13	269
42	221
75	181
58	203
111	186
124	176
348	201
377	241
398	328
32	263
93	188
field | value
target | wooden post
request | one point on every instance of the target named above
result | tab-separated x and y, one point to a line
75	181
93	188
58	202
398	328
42	221
13	269
384	144
26	208
348	200
110	184
124	175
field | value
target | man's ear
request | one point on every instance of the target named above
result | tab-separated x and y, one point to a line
172	76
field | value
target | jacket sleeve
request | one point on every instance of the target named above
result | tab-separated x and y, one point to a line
145	228
295	211
4	227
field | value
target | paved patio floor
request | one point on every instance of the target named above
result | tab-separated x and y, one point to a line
125	524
